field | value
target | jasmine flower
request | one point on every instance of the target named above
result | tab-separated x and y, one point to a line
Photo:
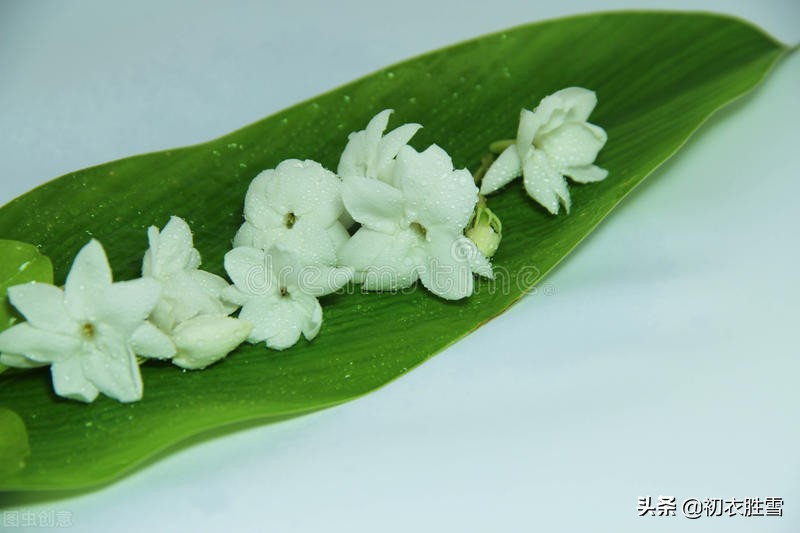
415	230
553	141
278	293
296	205
190	309
89	332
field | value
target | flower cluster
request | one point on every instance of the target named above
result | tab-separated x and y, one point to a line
389	216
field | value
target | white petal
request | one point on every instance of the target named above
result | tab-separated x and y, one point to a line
43	306
382	261
338	235
586	174
478	263
306	190
353	161
435	194
19	361
529	125
577	101
543	183
163	315
213	286
573	145
319	280
247	267
312	312
235	296
126	304
389	147
311	243
447	272
373	203
251	236
70	382
149	341
206	339
278	321
504	169
38	344
172	249
259	208
111	367
188	297
88	278
372	139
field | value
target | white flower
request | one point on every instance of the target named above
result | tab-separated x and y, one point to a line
296	205
278	294
90	331
186	291
370	154
415	230
190	309
553	141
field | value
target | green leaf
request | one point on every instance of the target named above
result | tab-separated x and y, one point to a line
19	263
658	77
14	448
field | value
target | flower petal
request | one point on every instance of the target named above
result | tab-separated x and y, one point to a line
253	237
87	280
353	161
529	124
234	296
312	312
278	321
339	235
383	262
374	204
188	297
504	169
435	194
111	367
19	361
70	382
372	138
577	102
447	272
389	147
478	263
259	206
586	174
543	183
206	339
126	304
310	242
306	190
39	345
247	267
171	250
319	280
149	341
43	306
573	145
213	286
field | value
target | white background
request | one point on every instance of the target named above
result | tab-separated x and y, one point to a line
683	380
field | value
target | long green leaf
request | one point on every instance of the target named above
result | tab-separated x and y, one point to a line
658	77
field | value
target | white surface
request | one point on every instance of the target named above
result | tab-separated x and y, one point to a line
683	380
